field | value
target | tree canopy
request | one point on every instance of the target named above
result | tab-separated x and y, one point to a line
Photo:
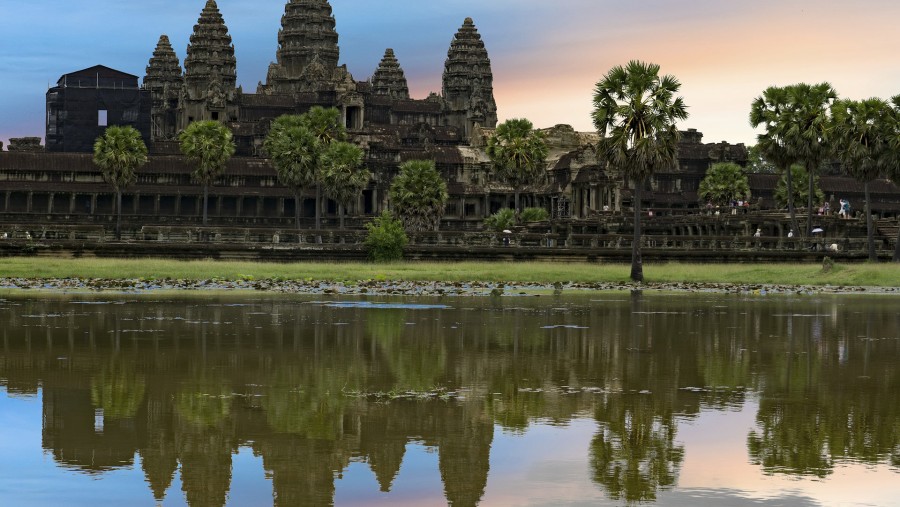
210	145
517	153
724	183
418	195
119	152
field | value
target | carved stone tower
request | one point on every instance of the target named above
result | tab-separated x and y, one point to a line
210	71
389	78
307	55
164	81
468	87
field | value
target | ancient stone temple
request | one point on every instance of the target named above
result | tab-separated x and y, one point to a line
307	55
164	82
389	78
210	72
468	84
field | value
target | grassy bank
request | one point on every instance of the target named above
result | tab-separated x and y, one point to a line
877	275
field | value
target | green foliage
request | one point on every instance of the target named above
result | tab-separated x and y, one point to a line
418	195
757	163
801	186
209	144
325	124
118	153
724	182
863	131
342	176
502	219
534	215
293	151
386	238
517	152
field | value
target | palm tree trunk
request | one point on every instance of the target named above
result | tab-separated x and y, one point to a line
637	266
790	202
341	214
318	212
870	227
118	215
297	202
809	201
516	202
897	244
205	200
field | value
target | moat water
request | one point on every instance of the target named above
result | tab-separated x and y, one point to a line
600	399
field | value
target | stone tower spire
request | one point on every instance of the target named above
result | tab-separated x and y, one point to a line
210	71
468	84
308	51
164	81
389	78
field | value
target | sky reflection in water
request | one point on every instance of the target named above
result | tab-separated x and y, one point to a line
673	400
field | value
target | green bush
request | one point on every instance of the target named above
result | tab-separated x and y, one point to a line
534	215
503	219
386	238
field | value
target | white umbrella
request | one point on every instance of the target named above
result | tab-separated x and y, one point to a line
818	230
507	231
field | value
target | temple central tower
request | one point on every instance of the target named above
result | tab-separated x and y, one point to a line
210	71
308	53
468	86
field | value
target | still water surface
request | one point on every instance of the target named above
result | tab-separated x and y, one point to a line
606	399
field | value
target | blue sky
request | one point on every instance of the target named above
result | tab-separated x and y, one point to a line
546	56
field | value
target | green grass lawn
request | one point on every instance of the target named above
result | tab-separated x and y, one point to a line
861	274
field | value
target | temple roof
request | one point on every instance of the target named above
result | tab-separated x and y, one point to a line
164	66
389	78
210	52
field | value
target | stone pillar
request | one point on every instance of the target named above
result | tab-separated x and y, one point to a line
156	205
72	203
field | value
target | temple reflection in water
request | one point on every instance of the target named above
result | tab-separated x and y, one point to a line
179	385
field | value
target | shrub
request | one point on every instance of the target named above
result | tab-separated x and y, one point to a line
503	219
534	215
386	238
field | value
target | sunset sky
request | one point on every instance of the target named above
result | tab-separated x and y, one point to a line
546	56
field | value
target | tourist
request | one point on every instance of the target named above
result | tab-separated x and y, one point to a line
758	233
791	233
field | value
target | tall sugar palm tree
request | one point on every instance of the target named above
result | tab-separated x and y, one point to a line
809	131
862	134
418	195
118	153
892	153
209	144
517	152
770	110
325	124
635	111
293	151
343	176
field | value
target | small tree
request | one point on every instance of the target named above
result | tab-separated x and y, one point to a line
502	219
418	195
534	215
343	176
209	144
386	238
118	153
326	126
725	182
517	152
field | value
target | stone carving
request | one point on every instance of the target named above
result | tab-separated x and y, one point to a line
468	81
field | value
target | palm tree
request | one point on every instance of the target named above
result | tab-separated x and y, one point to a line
862	137
325	124
797	173
118	153
418	195
293	151
892	153
517	152
770	110
343	178
724	182
635	110
808	133
209	144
